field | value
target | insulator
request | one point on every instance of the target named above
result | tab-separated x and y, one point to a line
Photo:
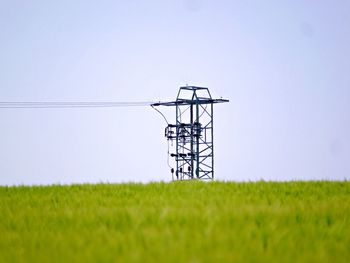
168	132
197	129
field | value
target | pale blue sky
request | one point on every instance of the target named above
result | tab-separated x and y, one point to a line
284	65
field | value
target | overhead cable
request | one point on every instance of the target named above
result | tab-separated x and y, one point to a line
72	104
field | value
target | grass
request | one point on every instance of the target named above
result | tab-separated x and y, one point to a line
176	222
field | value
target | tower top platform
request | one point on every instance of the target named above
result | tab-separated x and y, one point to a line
190	95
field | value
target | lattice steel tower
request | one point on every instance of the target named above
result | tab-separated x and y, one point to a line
192	133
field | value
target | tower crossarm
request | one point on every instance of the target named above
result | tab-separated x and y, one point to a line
189	102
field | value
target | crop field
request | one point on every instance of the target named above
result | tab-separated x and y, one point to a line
176	222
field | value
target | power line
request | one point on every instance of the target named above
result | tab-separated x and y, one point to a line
72	104
161	114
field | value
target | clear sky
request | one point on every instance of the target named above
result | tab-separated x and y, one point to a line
284	65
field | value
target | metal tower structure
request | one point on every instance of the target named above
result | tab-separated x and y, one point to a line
192	133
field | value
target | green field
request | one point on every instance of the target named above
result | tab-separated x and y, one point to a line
177	222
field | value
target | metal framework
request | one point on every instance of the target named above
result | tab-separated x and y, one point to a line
192	133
